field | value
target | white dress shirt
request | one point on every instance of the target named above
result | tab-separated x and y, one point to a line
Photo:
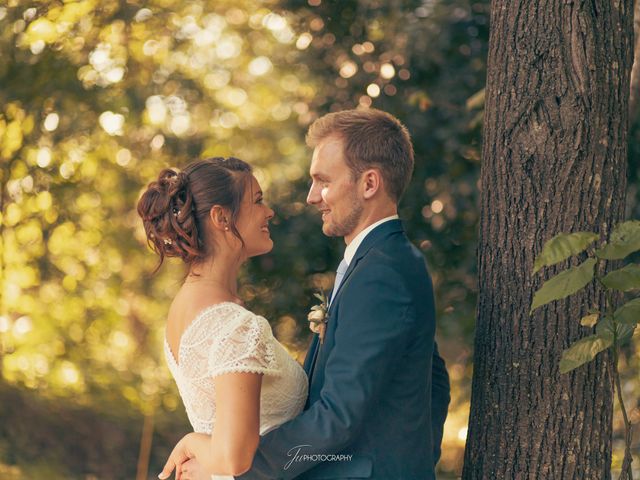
352	248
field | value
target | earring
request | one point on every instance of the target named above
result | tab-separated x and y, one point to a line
226	228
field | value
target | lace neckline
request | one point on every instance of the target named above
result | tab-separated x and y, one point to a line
199	316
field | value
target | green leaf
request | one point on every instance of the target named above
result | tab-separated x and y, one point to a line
604	330
629	313
563	246
564	284
589	320
623	279
583	351
625	239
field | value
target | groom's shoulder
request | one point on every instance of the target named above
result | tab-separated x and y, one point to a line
397	247
383	261
399	253
392	248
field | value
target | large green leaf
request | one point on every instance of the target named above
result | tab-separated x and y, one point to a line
583	351
625	239
623	279
562	246
629	313
604	329
564	284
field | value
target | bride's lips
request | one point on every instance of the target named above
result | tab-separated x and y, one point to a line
265	228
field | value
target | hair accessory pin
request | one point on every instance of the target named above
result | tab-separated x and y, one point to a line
168	241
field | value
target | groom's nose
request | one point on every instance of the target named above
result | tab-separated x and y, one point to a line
313	196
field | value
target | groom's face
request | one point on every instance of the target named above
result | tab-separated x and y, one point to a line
333	190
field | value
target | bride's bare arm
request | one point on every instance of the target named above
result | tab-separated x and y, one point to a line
230	449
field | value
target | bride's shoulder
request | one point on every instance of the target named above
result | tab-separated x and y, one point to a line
185	319
223	313
230	325
230	316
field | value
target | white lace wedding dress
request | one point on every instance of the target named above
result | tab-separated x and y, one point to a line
225	338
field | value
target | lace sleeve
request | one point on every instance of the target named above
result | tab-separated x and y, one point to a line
246	346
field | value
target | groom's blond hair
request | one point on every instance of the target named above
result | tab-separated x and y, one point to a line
371	138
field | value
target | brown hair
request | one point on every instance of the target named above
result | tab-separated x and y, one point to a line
371	138
175	208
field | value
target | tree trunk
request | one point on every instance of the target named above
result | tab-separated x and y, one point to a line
634	100
145	447
554	160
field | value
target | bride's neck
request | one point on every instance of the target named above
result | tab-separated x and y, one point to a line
221	274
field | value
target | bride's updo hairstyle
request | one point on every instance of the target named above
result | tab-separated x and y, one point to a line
175	208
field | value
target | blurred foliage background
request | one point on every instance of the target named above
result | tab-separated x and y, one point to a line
97	96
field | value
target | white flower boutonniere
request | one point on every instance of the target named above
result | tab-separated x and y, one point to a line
318	316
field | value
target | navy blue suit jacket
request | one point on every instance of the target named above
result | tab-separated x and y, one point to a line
378	390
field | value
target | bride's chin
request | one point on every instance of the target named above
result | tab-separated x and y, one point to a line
266	249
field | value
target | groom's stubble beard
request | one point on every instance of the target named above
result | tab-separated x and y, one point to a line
349	223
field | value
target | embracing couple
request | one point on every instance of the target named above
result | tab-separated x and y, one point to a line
373	395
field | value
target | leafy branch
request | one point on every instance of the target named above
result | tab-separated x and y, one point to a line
613	327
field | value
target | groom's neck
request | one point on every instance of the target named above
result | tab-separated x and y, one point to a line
369	218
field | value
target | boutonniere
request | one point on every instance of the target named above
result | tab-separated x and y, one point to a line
318	316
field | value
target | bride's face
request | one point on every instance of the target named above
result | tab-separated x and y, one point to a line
253	221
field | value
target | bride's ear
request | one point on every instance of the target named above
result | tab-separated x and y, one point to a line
219	217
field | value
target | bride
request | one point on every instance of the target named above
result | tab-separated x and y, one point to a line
236	381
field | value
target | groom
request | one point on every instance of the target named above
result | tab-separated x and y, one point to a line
378	390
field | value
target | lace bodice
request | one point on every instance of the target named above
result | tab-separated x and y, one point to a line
226	338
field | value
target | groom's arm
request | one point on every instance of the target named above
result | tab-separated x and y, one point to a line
376	322
440	398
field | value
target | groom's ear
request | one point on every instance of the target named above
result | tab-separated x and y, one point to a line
219	217
372	182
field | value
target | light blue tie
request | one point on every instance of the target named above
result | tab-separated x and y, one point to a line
342	269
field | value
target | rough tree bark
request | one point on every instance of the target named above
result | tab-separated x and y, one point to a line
634	100
554	160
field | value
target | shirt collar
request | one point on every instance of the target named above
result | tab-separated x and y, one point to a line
352	248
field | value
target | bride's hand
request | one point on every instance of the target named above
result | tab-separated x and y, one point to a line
192	470
178	457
